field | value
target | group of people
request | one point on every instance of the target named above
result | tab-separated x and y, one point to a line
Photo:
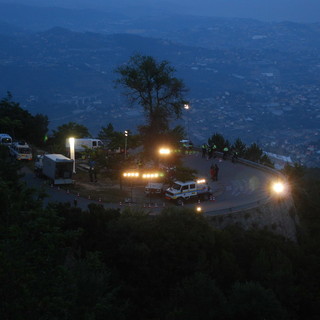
208	151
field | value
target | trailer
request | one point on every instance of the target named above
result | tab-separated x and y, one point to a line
154	188
56	167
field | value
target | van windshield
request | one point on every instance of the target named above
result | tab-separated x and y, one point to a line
5	140
176	186
24	150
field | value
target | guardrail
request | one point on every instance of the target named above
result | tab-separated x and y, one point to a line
239	208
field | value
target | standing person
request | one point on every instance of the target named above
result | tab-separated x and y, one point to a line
225	152
212	172
204	150
207	151
234	156
210	152
216	169
92	171
214	149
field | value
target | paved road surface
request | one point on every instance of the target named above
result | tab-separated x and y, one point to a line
239	186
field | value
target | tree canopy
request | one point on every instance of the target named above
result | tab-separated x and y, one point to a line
20	124
153	86
70	129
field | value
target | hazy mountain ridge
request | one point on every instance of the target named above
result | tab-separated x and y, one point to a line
205	32
32	18
265	10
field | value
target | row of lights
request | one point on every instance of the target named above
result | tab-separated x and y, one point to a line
144	176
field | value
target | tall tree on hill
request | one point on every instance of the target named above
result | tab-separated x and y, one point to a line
154	87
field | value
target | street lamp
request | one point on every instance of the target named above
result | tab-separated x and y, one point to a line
164	151
279	188
187	107
72	154
198	209
125	143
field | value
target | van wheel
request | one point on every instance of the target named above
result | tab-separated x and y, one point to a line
180	202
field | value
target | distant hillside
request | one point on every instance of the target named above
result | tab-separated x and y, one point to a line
40	18
264	10
200	31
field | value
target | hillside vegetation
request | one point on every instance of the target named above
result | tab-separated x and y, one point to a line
67	263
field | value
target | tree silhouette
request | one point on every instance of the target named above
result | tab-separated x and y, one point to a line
152	85
71	129
239	147
21	124
219	141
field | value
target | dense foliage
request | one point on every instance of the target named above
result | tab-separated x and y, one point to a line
20	124
253	152
61	262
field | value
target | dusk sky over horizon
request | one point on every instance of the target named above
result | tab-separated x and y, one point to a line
265	10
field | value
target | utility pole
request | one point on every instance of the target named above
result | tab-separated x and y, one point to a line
125	143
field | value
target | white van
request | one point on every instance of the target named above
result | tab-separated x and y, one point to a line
81	145
20	151
5	139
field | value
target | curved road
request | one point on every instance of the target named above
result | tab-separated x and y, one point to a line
239	186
